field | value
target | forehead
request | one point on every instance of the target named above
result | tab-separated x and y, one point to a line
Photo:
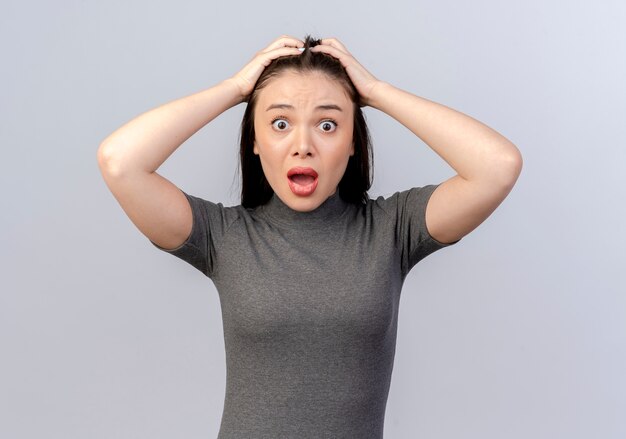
303	90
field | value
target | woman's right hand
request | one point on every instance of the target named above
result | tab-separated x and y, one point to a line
246	78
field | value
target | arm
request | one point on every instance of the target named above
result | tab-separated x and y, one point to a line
487	164
144	143
129	157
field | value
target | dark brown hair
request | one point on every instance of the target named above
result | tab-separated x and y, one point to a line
255	189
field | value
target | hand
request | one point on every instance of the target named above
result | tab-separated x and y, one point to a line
247	77
363	80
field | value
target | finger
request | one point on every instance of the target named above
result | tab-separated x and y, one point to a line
334	42
281	44
285	41
288	37
334	52
277	53
283	51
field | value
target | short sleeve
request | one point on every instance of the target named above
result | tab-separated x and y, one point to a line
414	240
210	223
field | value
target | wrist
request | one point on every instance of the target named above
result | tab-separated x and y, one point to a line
377	93
235	90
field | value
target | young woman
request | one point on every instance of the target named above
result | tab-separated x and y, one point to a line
308	268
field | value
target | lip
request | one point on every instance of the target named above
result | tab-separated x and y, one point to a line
302	170
299	189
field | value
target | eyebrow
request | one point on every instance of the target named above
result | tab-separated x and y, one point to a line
290	107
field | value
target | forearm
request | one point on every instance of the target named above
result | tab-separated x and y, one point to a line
145	142
475	151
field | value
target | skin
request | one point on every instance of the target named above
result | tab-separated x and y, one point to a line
486	163
304	134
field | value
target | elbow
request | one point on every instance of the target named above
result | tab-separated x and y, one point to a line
516	163
106	159
103	155
503	168
510	167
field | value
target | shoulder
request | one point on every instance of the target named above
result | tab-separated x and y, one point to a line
212	217
401	201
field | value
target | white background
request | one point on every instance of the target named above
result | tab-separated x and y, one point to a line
518	331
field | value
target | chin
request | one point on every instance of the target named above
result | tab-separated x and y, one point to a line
303	204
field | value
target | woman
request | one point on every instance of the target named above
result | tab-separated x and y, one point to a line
308	269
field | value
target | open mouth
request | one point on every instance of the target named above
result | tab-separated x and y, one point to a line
302	181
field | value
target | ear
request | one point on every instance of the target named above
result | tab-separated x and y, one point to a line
352	149
255	149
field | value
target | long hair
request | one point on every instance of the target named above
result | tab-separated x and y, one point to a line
353	187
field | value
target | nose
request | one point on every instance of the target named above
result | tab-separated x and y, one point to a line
302	143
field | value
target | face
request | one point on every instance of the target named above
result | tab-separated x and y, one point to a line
303	125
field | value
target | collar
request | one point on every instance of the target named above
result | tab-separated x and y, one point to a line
330	210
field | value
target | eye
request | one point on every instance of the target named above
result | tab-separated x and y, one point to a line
280	124
328	126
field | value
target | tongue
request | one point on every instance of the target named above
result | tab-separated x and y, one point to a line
302	179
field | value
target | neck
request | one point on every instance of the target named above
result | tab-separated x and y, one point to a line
331	209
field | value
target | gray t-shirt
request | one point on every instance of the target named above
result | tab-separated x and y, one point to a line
309	307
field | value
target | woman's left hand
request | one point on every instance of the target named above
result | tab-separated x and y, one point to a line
363	80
